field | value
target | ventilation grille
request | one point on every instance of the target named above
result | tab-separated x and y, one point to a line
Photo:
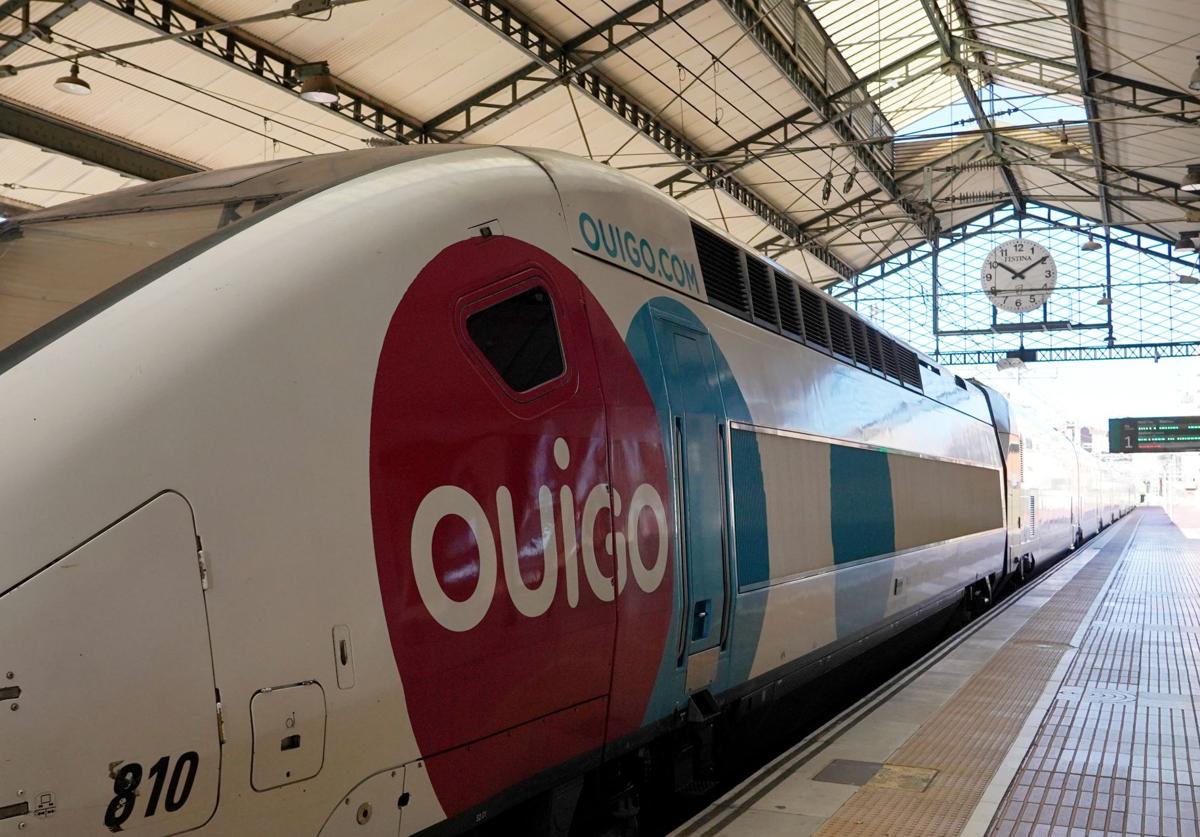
814	317
891	364
861	353
839	331
910	369
876	352
789	309
721	266
761	299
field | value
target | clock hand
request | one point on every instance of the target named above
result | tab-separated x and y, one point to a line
1032	266
1006	267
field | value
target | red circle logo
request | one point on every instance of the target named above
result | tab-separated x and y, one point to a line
522	539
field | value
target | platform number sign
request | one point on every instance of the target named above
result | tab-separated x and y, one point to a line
1018	275
1154	434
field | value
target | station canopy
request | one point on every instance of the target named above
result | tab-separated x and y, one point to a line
832	135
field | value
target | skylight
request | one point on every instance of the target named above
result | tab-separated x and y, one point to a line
1006	106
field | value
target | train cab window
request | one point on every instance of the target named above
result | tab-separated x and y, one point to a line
519	338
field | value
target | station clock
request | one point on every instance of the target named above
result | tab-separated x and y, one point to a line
1018	275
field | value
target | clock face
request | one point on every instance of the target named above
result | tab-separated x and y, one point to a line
1018	275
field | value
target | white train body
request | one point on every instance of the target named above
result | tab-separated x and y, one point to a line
286	553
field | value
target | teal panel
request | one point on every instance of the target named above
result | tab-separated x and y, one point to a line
861	520
862	524
749	510
745	627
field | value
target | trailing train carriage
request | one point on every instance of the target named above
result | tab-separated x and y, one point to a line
376	492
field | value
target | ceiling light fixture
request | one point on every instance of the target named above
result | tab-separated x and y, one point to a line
1187	241
316	84
827	188
1104	300
1194	84
1191	180
1091	244
1188	279
72	83
1065	147
849	184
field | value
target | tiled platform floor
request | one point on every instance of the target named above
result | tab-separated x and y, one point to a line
1068	713
1119	750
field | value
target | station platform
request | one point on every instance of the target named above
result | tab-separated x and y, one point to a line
1066	710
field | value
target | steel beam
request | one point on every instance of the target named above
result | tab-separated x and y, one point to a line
555	63
942	29
1083	64
1127	351
27	34
261	59
750	18
55	134
916	255
1120	91
799	126
540	46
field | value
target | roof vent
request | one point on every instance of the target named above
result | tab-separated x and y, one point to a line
813	310
873	339
789	309
859	330
721	266
910	369
761	299
839	331
891	365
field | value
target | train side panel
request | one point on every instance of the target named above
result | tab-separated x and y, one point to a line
849	499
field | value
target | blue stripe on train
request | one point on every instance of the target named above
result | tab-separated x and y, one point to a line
750	541
863	525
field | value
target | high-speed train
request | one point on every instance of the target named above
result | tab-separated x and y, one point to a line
376	493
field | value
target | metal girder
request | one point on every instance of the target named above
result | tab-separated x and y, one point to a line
942	29
750	18
7	48
774	248
85	144
1120	91
1176	200
261	59
1083	64
552	67
527	35
796	129
995	216
1127	351
1128	239
916	255
889	72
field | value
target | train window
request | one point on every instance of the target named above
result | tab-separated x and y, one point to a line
42	277
519	337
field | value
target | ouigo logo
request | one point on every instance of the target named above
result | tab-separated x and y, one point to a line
622	544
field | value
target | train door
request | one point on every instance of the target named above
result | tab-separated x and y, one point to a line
697	416
109	711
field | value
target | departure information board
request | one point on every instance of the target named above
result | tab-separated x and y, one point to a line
1162	434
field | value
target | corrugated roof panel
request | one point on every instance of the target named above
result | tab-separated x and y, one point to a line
419	56
219	116
721	101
